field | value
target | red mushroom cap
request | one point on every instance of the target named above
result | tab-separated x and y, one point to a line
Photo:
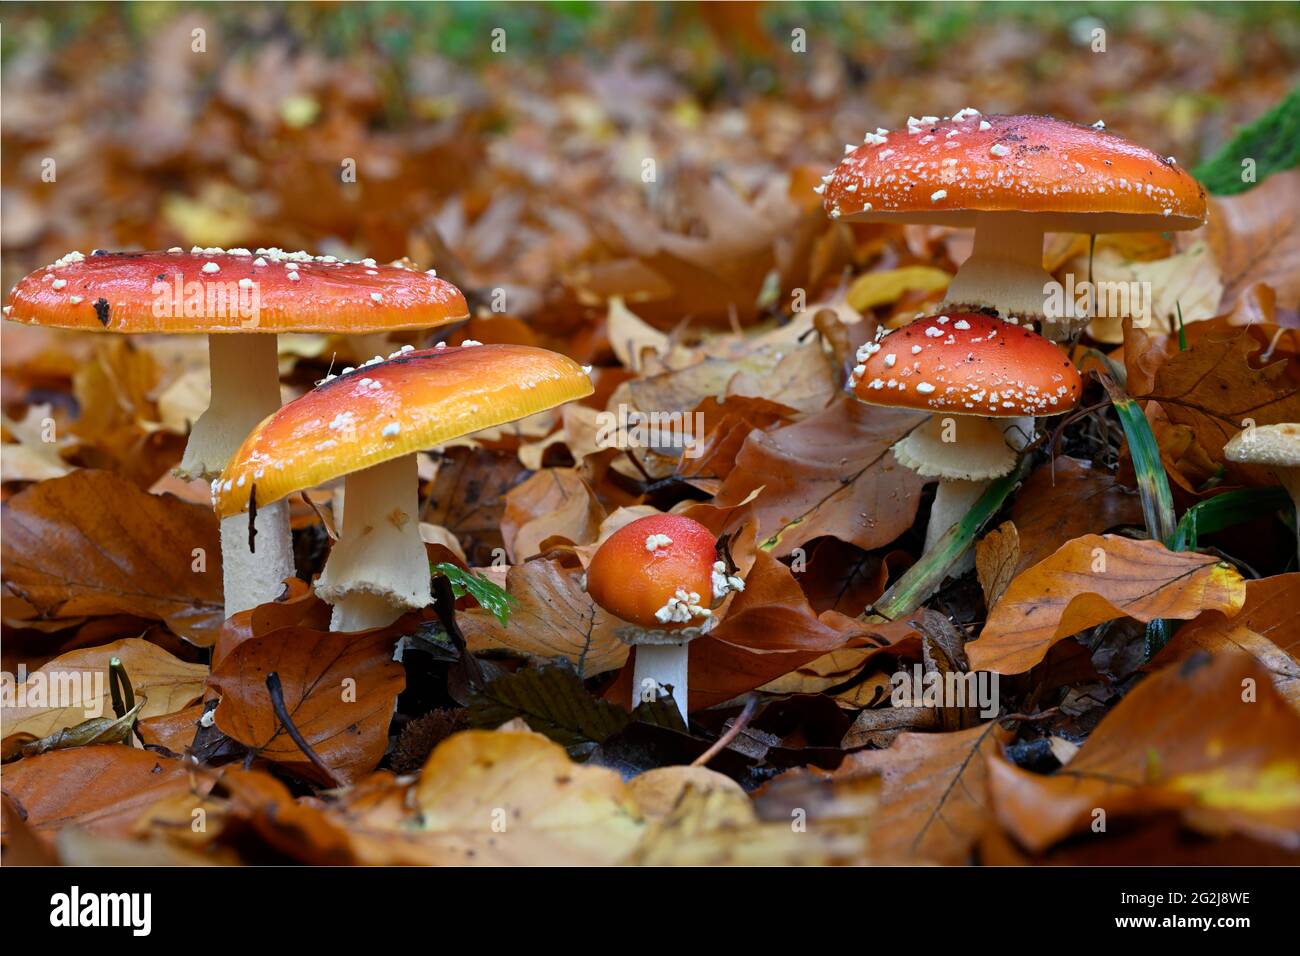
634	581
947	171
967	363
231	291
389	408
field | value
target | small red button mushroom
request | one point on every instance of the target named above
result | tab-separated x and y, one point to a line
661	576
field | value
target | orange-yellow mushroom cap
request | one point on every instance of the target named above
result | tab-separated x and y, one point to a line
390	408
638	572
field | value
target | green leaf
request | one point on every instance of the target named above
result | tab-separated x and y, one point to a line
489	596
1272	143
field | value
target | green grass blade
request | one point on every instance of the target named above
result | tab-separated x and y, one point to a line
923	578
1224	511
1153	483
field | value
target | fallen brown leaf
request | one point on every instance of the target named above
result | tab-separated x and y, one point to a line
830	474
1094	579
102	788
1267	628
339	691
552	617
93	543
1209	737
1064	499
1255	236
168	683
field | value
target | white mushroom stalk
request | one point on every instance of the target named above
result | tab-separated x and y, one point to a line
378	569
988	450
245	389
1005	273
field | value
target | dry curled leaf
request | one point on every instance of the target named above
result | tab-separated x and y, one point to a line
1209	737
1267	628
169	683
997	555
830	474
1094	579
339	691
552	617
1065	499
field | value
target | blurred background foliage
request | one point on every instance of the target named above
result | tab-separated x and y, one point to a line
521	167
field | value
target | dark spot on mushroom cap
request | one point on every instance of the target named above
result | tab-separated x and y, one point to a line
99	252
102	311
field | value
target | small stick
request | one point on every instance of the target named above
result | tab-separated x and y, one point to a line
252	518
742	720
119	687
444	605
276	691
639	467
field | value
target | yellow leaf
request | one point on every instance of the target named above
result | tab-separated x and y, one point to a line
169	683
887	287
497	797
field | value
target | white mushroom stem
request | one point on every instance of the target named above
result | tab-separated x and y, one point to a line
245	389
378	569
952	499
657	666
256	577
982	447
1005	272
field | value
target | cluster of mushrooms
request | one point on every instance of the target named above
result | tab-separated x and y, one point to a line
978	367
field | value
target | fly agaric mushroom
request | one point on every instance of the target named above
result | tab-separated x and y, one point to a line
661	576
367	424
969	369
241	300
1276	447
1011	179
